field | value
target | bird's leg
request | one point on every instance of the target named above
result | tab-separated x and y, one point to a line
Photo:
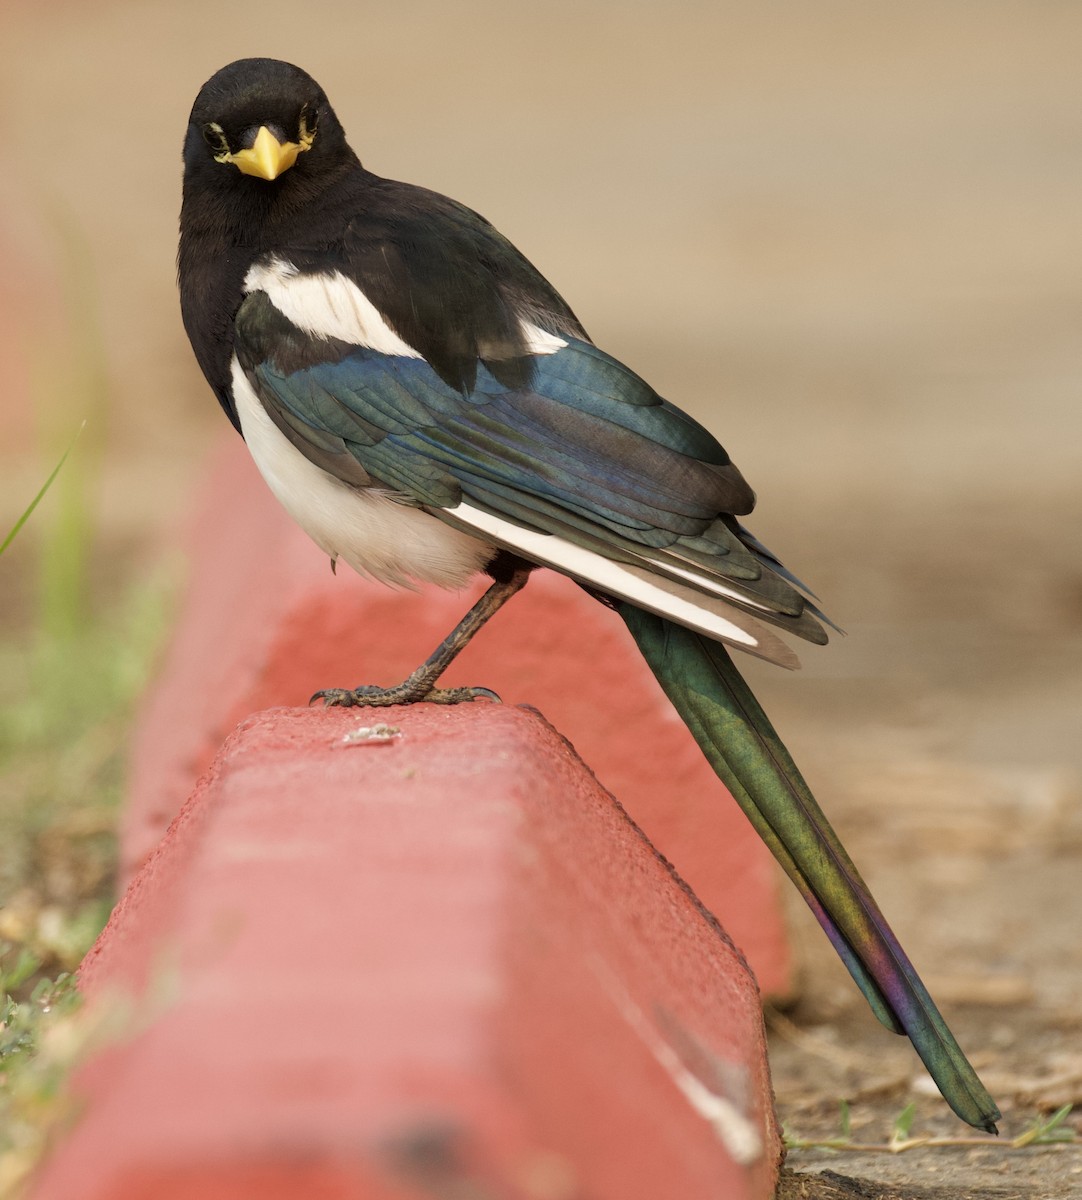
421	684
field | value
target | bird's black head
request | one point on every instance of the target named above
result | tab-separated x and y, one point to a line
257	120
264	160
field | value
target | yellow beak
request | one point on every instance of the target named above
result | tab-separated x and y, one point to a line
267	157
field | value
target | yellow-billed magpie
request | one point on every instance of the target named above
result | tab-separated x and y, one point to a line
427	407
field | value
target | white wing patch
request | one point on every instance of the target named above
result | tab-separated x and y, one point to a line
372	533
329	304
710	583
608	575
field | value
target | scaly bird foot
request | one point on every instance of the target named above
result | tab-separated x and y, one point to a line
369	696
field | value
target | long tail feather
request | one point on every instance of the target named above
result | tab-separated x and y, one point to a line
741	745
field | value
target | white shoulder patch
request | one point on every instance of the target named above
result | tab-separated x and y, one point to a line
325	306
329	305
540	341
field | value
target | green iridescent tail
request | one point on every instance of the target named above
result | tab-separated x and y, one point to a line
748	756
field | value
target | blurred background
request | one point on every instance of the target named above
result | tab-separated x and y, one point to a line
846	236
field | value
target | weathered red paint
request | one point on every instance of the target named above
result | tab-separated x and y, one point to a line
448	965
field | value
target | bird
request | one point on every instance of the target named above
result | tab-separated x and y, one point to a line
428	408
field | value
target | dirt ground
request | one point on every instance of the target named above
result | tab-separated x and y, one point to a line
847	237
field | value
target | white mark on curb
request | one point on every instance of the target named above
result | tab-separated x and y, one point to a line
733	1129
370	735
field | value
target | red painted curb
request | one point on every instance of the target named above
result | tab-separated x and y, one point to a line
266	623
444	966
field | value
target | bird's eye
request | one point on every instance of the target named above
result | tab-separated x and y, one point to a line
307	126
214	136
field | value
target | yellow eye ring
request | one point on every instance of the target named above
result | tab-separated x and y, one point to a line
214	136
307	128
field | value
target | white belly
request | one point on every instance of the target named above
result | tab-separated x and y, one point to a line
374	534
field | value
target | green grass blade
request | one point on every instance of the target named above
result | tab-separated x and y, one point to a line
41	494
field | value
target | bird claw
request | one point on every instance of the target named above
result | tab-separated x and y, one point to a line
460	695
370	696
